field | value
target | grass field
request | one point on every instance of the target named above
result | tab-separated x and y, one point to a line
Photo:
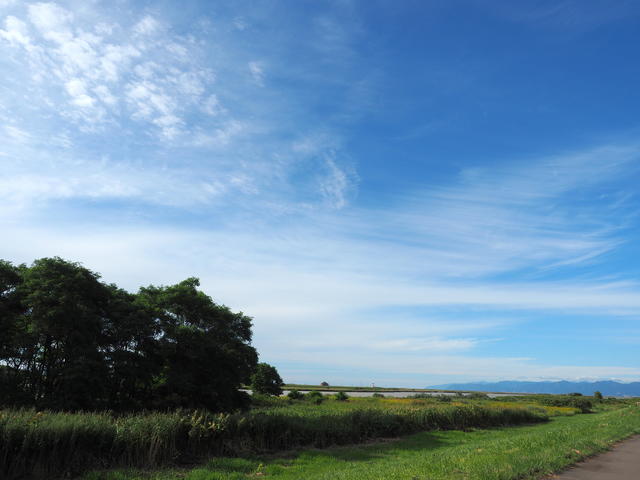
47	444
524	452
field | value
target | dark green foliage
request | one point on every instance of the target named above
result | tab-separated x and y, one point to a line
295	395
341	397
45	445
584	404
598	395
71	342
377	395
477	396
314	397
266	380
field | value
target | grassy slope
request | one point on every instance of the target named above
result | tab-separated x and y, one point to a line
496	454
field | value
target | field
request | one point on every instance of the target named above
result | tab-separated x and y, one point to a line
526	452
46	445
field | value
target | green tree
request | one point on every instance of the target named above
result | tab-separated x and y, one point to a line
132	353
69	341
61	337
204	348
11	336
597	395
266	380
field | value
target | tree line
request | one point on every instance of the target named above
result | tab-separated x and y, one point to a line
69	341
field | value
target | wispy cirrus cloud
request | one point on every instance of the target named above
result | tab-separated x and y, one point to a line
139	80
153	147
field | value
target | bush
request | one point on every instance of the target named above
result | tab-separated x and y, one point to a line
341	397
295	395
377	395
598	395
584	404
420	395
478	396
314	397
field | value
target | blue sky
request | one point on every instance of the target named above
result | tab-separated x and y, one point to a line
401	193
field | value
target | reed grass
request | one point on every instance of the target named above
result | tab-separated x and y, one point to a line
46	444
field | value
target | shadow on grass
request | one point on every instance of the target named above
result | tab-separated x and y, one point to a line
232	468
359	453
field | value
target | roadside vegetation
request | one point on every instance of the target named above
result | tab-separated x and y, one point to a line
525	452
46	444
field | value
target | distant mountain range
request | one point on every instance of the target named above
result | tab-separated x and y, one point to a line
608	387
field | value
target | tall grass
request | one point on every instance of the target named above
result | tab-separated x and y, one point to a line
44	444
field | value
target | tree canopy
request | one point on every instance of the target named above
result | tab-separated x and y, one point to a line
70	341
266	380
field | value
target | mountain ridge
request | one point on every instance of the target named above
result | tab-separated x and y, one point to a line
606	387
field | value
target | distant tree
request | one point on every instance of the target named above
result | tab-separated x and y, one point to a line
324	384
314	396
597	395
295	395
341	396
266	380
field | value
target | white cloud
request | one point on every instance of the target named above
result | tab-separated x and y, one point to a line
15	32
211	106
115	59
76	88
105	95
99	66
147	26
257	72
17	134
52	21
240	23
335	184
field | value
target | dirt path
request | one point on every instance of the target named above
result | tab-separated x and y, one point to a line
621	463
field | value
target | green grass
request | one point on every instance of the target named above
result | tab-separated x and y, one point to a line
46	444
496	454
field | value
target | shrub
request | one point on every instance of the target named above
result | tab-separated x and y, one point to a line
420	395
598	395
341	397
377	395
315	397
295	395
582	403
478	396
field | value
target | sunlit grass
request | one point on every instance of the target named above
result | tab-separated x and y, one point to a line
495	454
45	444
